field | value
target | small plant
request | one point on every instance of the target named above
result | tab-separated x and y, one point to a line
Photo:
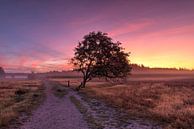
59	91
20	94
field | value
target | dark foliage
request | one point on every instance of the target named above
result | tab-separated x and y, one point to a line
98	56
2	72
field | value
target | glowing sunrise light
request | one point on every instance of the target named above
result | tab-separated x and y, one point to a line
41	35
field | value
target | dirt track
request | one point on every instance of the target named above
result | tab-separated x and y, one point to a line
61	113
55	113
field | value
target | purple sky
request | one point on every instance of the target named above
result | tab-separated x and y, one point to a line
40	34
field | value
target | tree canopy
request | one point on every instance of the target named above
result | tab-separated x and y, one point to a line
98	56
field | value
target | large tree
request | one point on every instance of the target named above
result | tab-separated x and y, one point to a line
98	56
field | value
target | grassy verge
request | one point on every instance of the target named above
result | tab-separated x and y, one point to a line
17	97
93	124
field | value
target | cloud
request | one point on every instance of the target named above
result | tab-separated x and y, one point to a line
54	64
131	27
172	31
26	65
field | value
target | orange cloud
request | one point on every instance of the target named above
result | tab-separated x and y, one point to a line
165	47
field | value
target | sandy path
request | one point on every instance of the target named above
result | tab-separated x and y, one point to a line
55	113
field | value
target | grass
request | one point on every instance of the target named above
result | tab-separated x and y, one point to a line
167	102
87	116
17	97
170	103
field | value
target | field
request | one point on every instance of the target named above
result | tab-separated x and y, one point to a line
169	102
16	97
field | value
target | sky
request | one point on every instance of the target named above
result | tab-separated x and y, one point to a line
40	35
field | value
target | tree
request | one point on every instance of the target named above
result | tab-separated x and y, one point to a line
98	56
2	72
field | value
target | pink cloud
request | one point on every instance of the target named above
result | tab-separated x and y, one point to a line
131	27
172	31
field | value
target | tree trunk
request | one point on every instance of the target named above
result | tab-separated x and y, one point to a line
82	85
79	87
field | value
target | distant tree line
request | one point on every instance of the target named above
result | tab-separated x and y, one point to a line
141	67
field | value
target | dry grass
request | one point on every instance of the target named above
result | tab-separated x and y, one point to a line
59	90
17	97
170	103
92	122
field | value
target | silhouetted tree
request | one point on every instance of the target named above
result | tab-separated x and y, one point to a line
98	56
2	72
